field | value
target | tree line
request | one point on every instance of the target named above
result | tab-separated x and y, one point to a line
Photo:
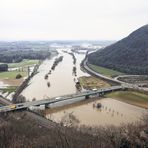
14	56
3	67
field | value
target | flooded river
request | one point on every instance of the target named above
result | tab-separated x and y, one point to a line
112	112
61	79
62	82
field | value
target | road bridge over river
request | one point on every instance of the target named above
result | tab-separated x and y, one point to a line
47	102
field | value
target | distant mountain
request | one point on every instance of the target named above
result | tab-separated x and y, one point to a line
129	55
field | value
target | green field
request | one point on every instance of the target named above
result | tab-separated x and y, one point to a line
9	89
11	74
105	71
24	63
131	97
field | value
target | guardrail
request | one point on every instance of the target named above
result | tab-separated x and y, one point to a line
26	105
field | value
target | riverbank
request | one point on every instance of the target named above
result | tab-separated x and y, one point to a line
8	79
62	80
133	99
105	71
9	83
12	82
86	68
130	97
24	63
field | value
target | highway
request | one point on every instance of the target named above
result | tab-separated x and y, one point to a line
87	68
115	80
45	102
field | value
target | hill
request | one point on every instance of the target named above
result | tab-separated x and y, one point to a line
129	55
28	130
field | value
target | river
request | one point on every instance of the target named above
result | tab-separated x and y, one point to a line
61	79
62	83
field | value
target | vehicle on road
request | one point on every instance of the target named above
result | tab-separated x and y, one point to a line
57	98
94	89
20	105
13	106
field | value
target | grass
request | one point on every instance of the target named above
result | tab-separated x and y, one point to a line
89	82
9	89
131	97
24	63
105	71
11	74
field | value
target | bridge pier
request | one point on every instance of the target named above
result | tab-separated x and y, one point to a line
53	102
101	94
98	94
47	105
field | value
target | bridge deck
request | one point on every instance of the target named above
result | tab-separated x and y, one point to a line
54	100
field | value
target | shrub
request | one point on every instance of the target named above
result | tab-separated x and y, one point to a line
18	76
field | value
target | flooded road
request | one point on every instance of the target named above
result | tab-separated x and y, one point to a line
112	112
61	79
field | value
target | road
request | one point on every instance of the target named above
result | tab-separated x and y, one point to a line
115	80
45	102
26	105
87	68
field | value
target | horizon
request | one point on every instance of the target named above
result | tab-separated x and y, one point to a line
68	40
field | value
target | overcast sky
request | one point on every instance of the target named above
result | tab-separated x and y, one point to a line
71	19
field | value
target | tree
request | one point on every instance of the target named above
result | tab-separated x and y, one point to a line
3	67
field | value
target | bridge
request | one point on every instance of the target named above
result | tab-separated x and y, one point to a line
47	102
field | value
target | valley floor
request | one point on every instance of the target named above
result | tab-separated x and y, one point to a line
131	97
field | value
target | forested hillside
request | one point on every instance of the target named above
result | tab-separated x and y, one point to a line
129	55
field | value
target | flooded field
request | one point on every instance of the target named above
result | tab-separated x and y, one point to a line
3	85
61	79
112	112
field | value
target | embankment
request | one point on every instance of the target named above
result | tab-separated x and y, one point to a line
24	84
84	65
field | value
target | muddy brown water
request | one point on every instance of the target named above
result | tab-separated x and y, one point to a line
112	112
62	83
61	79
